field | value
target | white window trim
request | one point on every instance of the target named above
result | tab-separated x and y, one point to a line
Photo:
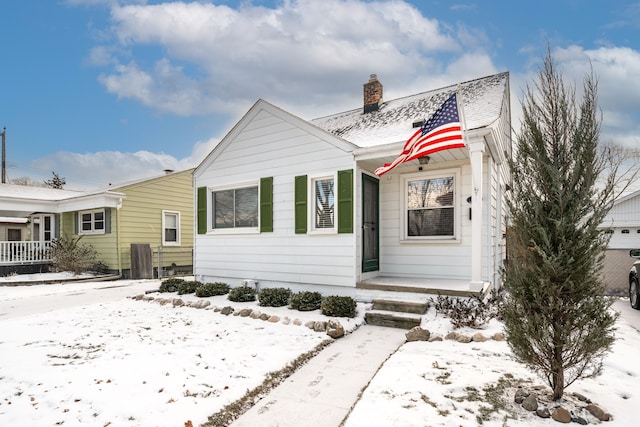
311	214
178	227
93	231
210	212
438	173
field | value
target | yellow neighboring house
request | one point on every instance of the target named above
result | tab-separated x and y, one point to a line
139	229
152	228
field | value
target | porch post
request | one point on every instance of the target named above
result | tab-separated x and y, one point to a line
476	151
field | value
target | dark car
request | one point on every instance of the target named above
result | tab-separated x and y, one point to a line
634	280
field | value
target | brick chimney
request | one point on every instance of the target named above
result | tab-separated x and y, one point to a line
372	94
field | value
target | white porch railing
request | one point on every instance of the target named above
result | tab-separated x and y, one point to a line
25	252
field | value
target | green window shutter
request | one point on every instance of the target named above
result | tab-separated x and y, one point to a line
76	223
300	199
266	205
202	210
345	201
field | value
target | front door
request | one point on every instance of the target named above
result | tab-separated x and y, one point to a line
43	227
370	224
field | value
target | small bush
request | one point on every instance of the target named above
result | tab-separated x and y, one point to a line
68	254
212	289
274	297
242	294
337	306
171	284
306	301
99	267
188	287
470	312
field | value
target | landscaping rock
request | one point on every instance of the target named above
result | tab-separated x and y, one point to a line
320	326
273	319
543	413
498	336
464	339
245	312
530	403
597	412
285	321
201	304
311	324
417	334
177	302
433	338
335	329
478	337
581	397
264	316
297	322
520	395
453	335
227	310
255	314
561	415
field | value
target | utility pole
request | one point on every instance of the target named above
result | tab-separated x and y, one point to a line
4	157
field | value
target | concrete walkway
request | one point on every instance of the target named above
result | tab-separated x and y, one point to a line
322	392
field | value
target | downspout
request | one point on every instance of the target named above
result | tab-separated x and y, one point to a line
118	248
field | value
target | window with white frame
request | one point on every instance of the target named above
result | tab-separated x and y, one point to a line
324	210
235	208
170	228
430	205
92	222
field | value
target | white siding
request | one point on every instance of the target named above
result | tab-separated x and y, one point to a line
270	146
423	259
624	215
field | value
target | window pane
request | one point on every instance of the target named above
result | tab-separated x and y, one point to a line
430	207
430	222
170	235
428	193
98	216
223	209
171	221
247	207
324	203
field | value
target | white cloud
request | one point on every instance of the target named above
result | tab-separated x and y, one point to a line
316	54
104	168
617	70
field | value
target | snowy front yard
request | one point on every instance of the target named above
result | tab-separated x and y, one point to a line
136	363
140	363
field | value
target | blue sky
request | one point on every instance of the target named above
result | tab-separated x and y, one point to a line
105	91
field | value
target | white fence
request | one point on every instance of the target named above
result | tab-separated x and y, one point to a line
24	252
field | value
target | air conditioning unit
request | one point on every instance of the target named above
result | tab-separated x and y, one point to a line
250	283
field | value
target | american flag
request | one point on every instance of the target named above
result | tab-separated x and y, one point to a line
441	132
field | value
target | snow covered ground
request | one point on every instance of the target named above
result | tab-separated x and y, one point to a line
139	363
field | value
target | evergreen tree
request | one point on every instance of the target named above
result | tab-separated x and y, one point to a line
56	181
556	318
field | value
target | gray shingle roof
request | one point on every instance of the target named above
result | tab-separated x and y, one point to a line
481	102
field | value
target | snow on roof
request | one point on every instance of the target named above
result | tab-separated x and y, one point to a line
36	193
480	100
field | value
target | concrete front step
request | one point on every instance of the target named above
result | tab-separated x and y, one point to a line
392	319
400	306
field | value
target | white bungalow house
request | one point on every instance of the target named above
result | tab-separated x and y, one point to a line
287	202
623	222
